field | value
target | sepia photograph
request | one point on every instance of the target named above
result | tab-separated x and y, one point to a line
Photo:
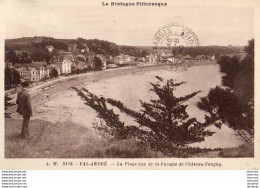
101	80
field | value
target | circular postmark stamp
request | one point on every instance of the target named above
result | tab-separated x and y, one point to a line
173	35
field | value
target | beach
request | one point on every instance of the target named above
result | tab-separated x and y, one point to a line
61	105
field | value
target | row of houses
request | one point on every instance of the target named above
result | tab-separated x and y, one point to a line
37	71
156	58
66	63
126	59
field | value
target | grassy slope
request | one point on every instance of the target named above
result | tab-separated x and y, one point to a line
67	140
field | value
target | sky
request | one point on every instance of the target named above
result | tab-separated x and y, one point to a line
213	25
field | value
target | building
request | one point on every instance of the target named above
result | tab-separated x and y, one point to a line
41	72
151	58
112	66
65	55
22	73
170	59
131	63
163	52
177	60
34	72
21	53
42	69
85	49
29	73
187	58
56	58
65	66
199	57
72	47
121	59
132	58
62	64
83	57
50	48
141	59
118	59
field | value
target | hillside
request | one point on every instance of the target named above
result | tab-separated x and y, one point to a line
36	47
30	44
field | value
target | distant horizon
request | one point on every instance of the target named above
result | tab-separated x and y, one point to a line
126	44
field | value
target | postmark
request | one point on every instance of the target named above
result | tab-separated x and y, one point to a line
175	35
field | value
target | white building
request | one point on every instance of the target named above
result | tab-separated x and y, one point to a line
151	58
29	73
141	59
170	59
121	59
65	66
42	69
50	48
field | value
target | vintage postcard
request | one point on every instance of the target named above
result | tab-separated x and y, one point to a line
129	85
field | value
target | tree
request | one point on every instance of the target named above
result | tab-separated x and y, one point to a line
54	73
225	107
134	51
16	77
8	76
98	63
233	105
12	77
167	117
7	104
81	59
11	56
164	124
41	55
103	47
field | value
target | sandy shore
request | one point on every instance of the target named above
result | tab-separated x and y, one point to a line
62	104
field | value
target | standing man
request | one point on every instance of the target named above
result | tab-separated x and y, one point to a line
24	108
